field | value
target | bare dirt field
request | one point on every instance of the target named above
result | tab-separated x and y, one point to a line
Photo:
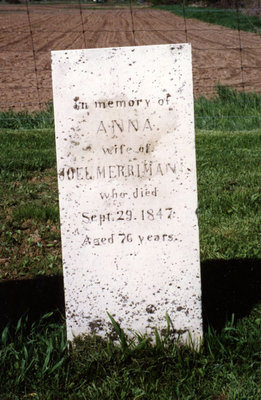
220	55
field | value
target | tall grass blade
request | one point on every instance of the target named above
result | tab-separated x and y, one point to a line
120	333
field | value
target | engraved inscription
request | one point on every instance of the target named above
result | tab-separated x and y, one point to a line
79	104
141	170
118	126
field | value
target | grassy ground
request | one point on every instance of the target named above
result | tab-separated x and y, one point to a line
35	361
229	199
229	194
229	18
228	110
228	157
30	236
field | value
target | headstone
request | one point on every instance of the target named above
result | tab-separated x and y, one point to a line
127	189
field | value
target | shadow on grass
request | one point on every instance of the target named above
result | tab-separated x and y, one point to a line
32	297
228	287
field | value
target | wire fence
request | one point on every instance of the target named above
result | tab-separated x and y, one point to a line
29	31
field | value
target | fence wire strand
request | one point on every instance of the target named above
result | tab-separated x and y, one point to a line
184	18
82	21
34	55
132	23
240	46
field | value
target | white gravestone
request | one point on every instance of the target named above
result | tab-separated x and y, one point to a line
125	143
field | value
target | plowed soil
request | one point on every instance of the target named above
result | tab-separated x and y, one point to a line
220	55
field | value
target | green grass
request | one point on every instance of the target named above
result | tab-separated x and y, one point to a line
25	120
25	151
38	213
229	176
36	363
225	17
227	110
29	223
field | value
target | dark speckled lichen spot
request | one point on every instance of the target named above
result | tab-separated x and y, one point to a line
151	309
96	326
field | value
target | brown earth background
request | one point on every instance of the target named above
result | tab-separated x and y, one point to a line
28	33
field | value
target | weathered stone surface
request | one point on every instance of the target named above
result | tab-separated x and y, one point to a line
127	187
